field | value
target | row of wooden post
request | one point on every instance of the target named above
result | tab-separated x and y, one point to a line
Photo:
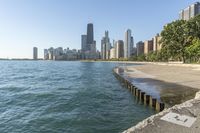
140	95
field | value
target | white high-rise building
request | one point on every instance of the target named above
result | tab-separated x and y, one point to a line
190	11
112	53
103	50
50	53
127	44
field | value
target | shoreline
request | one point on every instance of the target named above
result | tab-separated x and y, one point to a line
149	123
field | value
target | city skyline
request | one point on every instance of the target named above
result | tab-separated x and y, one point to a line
44	24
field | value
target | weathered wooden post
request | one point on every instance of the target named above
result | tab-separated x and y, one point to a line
142	96
146	99
152	102
159	106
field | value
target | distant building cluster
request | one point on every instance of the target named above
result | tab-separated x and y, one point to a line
125	49
88	49
190	11
115	50
61	54
119	49
144	48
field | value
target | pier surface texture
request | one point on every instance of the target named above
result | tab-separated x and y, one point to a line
185	117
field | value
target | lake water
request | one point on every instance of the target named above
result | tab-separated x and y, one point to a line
65	97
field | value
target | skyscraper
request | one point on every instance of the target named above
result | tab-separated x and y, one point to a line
88	44
131	46
93	47
46	54
84	43
119	49
140	48
148	46
105	46
103	49
91	43
51	53
35	53
190	11
90	36
112	53
127	44
156	42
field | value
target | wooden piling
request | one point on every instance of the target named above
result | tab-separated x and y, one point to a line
146	99
142	96
138	93
135	91
159	106
152	102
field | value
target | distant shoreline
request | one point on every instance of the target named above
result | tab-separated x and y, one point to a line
171	63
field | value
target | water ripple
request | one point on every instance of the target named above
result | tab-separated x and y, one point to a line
57	97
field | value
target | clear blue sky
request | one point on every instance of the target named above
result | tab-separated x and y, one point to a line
46	23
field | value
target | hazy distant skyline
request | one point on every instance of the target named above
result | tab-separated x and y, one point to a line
45	23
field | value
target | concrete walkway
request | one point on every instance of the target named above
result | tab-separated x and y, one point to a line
182	74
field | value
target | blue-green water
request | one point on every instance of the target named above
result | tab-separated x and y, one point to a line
65	97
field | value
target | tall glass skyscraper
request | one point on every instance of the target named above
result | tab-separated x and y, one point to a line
90	34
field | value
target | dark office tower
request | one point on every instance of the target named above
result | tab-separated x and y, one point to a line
90	35
35	53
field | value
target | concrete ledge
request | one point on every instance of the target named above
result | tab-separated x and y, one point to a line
139	94
154	124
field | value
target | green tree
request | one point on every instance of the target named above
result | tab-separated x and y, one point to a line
152	56
194	50
193	28
175	39
141	57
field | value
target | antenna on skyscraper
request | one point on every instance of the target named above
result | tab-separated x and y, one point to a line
89	20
